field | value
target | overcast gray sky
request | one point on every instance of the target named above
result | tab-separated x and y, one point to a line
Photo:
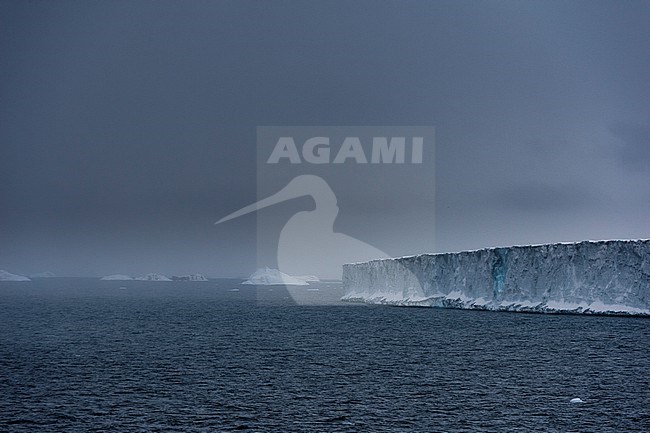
128	128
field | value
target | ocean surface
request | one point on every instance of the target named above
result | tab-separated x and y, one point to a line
83	355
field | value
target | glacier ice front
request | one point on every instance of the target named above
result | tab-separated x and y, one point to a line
592	277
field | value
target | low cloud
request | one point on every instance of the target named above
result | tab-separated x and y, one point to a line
633	144
542	198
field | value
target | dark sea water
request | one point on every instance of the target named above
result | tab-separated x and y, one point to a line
80	355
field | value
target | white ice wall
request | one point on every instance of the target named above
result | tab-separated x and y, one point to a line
584	277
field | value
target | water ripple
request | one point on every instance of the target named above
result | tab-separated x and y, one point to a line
202	363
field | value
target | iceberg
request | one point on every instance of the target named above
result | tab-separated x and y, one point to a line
116	277
272	277
192	277
8	276
46	274
153	277
308	278
590	277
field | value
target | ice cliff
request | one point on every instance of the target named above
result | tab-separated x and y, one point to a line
592	277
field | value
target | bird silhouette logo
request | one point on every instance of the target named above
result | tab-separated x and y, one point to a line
308	243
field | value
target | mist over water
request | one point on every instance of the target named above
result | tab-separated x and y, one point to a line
85	355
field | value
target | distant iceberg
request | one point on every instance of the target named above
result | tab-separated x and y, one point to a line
308	278
153	277
272	277
591	277
116	277
46	274
191	277
8	276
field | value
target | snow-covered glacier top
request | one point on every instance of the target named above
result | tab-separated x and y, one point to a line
271	277
8	276
608	277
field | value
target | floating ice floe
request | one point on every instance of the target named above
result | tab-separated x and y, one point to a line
153	277
308	278
272	277
116	277
192	277
8	276
576	400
